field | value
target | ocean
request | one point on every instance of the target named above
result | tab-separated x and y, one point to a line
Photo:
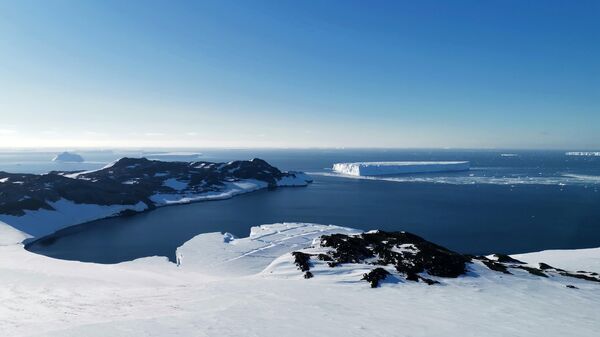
509	202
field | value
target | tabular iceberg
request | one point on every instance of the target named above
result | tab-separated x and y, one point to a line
399	167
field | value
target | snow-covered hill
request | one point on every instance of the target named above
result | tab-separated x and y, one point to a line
251	286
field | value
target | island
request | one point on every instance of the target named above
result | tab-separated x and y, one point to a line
40	204
68	157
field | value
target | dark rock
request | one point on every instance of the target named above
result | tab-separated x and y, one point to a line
426	256
308	275
429	281
375	276
580	276
496	266
302	260
324	257
544	266
503	258
571	286
533	271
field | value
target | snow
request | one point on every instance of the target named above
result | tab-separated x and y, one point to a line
217	291
68	157
10	235
578	259
175	184
230	190
66	213
399	167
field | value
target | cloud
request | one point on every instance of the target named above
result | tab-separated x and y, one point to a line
154	134
191	134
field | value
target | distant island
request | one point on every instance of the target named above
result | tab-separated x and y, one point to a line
68	157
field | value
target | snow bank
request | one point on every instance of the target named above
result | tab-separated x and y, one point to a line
217	253
10	235
230	190
399	167
66	213
576	259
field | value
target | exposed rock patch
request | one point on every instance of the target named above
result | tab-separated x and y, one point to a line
412	258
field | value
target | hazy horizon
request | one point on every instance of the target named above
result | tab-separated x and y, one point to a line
285	74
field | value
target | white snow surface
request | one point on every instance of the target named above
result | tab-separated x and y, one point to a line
250	287
399	167
10	235
66	213
239	287
175	184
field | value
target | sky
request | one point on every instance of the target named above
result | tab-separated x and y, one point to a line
402	74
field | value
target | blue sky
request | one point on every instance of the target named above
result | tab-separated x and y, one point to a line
478	74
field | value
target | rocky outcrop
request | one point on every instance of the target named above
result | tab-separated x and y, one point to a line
412	258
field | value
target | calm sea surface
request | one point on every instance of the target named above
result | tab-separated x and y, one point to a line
511	201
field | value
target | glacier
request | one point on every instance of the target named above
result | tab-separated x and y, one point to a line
399	167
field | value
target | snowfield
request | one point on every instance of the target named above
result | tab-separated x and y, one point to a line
399	167
225	286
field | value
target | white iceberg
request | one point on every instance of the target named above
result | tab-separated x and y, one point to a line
399	167
68	157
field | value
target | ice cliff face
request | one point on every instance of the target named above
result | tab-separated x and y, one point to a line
398	167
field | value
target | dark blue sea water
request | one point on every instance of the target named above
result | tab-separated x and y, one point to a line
517	202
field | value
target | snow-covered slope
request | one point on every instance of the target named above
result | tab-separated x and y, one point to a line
216	291
10	235
399	167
